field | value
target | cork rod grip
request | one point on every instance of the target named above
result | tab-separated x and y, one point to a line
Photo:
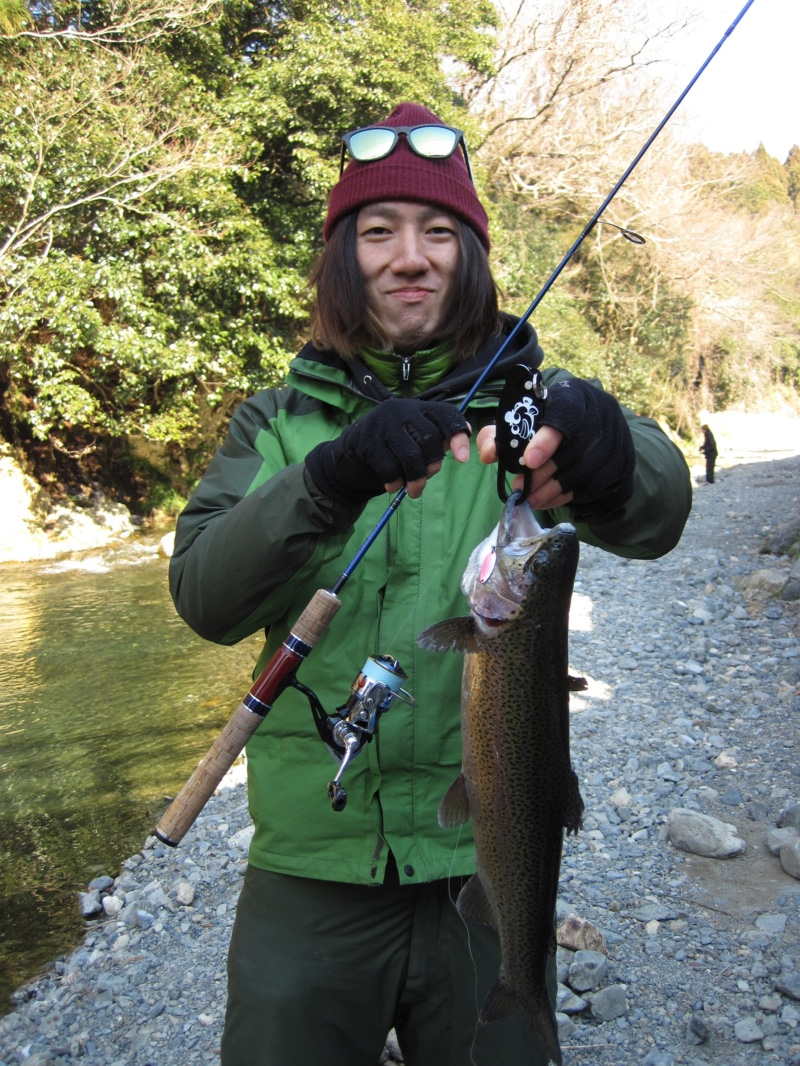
316	618
245	720
220	757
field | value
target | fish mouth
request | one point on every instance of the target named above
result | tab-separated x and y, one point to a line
518	525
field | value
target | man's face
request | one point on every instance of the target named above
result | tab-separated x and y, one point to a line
408	254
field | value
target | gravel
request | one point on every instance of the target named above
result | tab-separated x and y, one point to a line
692	705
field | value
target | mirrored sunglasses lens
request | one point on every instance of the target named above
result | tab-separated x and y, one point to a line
371	144
435	142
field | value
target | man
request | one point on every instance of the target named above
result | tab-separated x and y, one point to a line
709	450
346	925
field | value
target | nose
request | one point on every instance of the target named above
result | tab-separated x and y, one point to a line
409	253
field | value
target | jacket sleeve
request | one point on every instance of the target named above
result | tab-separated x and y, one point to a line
650	524
254	522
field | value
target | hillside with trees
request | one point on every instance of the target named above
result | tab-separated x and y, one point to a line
164	170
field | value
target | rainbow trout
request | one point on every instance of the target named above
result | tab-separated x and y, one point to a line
517	784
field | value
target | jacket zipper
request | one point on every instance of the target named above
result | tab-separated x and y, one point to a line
406	372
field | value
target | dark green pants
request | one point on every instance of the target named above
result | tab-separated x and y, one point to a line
319	972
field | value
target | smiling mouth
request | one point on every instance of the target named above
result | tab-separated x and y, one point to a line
410	294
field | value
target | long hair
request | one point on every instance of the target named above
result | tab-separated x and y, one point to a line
342	321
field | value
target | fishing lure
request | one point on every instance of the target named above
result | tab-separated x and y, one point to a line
519	415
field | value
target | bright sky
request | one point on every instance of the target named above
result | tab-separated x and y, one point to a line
748	94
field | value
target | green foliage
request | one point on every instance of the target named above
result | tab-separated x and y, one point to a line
768	184
14	16
161	204
792	166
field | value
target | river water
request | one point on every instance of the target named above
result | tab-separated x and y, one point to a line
107	703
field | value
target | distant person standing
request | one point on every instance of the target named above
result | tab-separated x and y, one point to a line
709	450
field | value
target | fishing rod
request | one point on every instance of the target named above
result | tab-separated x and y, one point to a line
379	684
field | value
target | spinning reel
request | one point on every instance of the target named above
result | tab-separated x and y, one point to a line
345	732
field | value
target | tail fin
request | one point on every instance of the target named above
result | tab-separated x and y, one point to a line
502	1001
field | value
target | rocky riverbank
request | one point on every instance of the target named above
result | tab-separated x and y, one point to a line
693	665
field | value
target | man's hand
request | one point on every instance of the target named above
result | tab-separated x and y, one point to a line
399	442
582	455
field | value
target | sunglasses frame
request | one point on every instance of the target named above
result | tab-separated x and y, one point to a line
396	131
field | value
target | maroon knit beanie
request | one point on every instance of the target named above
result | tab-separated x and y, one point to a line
404	175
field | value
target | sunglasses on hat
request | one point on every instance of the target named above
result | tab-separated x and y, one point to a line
371	143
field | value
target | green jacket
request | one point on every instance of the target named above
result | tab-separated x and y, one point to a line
257	540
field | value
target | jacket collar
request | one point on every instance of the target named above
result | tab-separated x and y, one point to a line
325	374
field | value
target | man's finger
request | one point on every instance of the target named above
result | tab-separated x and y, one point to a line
459	446
487	449
542	446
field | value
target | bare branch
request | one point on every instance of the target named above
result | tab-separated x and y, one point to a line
93	132
128	22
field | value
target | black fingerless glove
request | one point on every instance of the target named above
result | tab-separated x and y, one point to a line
596	459
397	440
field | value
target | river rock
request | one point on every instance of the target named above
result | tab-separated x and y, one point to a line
34	527
789	818
620	797
587	970
700	834
89	903
771	923
697	1032
567	1002
566	1027
748	1030
112	905
791	590
608	1003
166	546
763	583
655	912
790	858
579	935
776	838
184	894
725	761
241	840
781	540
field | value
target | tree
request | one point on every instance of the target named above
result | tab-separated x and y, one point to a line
164	182
573	99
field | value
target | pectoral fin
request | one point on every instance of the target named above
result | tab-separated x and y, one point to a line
453	634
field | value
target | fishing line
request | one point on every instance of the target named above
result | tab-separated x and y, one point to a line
590	225
468	931
486	490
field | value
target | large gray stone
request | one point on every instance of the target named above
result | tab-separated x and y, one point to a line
700	834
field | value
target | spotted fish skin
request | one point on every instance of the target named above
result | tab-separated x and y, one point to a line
517	784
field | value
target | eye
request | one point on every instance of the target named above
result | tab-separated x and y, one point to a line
441	230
